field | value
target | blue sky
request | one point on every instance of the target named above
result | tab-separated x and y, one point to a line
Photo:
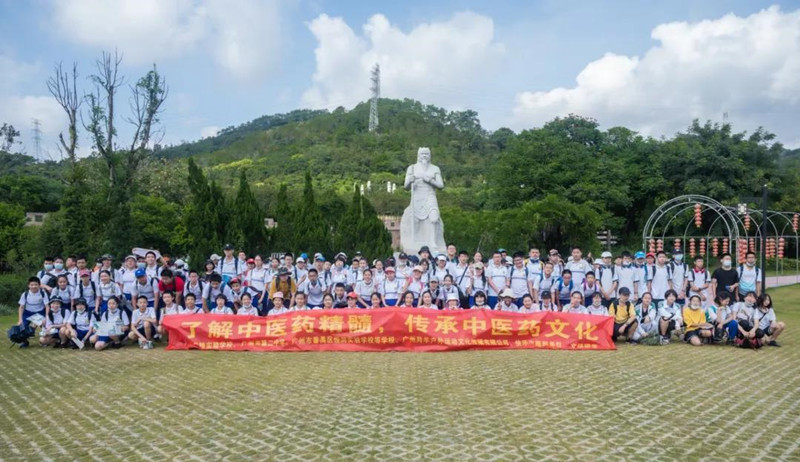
652	66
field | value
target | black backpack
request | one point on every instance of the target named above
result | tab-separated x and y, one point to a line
20	334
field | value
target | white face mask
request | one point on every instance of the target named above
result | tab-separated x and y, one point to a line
678	257
726	263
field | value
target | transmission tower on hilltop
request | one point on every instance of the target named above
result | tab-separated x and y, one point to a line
376	93
37	139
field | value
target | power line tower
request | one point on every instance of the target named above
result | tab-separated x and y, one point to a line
37	139
376	93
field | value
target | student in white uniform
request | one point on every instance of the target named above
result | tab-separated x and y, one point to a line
661	279
106	289
228	266
143	323
597	308
32	302
126	278
114	315
519	279
151	265
247	308
63	292
170	309
608	278
462	272
391	288
195	286
314	288
644	272
670	316
698	281
190	300
647	317
277	302
627	276
534	264
578	266
497	277
680	272
79	327
506	302
545	282
749	276
221	305
575	304
56	318
212	290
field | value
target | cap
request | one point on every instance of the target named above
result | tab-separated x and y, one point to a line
651	254
180	263
83	273
130	257
545	294
304	255
301	260
214	257
639	254
55	300
677	252
424	248
319	257
501	250
251	260
283	271
441	257
107	256
228	247
433	279
80	301
234	281
140	273
478	265
419	268
352	295
553	252
624	291
606	254
452	296
507	293
402	256
389	269
277	294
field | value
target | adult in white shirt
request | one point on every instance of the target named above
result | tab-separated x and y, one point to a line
462	272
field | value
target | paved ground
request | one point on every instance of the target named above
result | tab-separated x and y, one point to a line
638	403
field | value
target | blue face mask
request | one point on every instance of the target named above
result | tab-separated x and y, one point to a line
48	267
59	266
141	264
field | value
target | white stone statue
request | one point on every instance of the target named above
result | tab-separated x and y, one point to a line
421	224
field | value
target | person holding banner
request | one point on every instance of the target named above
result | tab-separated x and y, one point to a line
113	325
300	302
221	306
191	305
353	301
575	304
279	307
453	302
426	301
247	308
143	323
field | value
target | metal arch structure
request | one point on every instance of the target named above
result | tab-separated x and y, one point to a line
726	222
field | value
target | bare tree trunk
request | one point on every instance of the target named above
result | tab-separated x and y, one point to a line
63	86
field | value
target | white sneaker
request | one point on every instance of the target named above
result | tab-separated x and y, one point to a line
149	345
141	343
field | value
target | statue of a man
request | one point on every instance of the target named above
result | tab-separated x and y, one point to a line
421	224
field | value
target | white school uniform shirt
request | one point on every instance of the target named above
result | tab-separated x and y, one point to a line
229	268
698	279
211	293
748	277
365	290
597	310
578	269
314	292
644	274
237	294
535	268
223	310
764	319
277	311
52	275
671	312
65	295
660	282
416	287
247	311
256	279
300	275
711	313
440	272
106	291
190	310
60	317
580	309
545	282
403	271
378	276
171	310
519	280
118	316
153	271
81	320
680	271
444	291
462	275
549	307
34	302
339	275
149	289
196	289
300	308
391	289
501	306
744	312
589	291
479	283
606	277
534	309
498	275
127	277
627	276
138	317
72	276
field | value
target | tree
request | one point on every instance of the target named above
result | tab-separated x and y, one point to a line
205	217
310	227
155	220
346	237
64	88
12	219
8	137
284	217
248	220
375	241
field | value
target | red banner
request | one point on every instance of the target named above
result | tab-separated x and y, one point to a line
391	329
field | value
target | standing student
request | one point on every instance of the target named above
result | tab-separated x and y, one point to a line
449	288
49	280
256	277
212	290
661	279
441	269
680	273
79	327
143	323
577	266
564	288
497	277
390	288
56	318
624	312
749	277
170	282
415	284
462	273
534	264
545	282
627	276
194	286
106	289
147	287
519	280
313	288
126	278
725	277
228	266
151	265
63	292
365	288
590	285
478	282
608	279
114	315
698	281
670	316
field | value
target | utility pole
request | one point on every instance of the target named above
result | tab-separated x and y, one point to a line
37	139
376	93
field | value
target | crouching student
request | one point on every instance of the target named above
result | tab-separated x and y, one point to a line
376	301
480	301
575	304
669	316
453	302
546	303
143	323
527	305
170	309
625	322
280	308
192	307
116	316
55	320
647	317
247	308
221	305
506	302
79	327
725	316
698	330
767	321
32	302
597	308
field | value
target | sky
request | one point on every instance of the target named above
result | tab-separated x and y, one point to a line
651	66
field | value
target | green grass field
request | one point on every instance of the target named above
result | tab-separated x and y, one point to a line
638	403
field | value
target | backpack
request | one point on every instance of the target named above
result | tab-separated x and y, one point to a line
50	314
629	308
603	268
511	274
80	289
53	281
744	342
20	334
741	270
669	271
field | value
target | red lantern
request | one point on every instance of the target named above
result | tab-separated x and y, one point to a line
747	222
781	243
715	247
702	246
698	216
691	248
752	244
725	245
651	247
677	244
660	245
742	249
795	222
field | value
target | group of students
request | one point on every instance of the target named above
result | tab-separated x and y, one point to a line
650	296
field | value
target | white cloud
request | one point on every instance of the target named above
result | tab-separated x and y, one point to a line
746	66
242	37
425	63
209	131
